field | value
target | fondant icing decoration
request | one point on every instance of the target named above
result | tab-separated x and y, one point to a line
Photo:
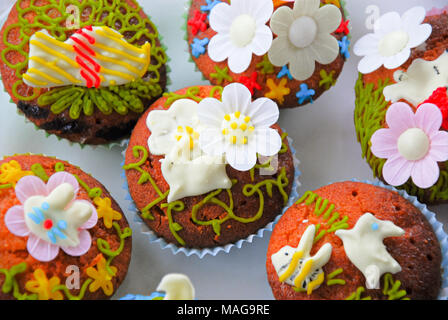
176	286
420	80
304	37
238	127
296	266
175	134
412	144
51	217
392	40
364	246
241	31
91	57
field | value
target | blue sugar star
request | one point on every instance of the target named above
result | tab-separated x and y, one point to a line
198	46
344	44
305	94
284	72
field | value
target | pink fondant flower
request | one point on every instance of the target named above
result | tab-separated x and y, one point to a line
412	144
51	217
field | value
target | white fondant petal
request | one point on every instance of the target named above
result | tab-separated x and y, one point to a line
62	177
85	242
268	142
264	112
15	221
305	8
40	249
302	65
30	186
367	45
370	63
439	146
387	23
236	97
328	18
325	48
211	112
281	51
425	173
241	157
413	16
262	41
418	34
220	47
397	60
239	59
211	141
281	20
261	10
220	17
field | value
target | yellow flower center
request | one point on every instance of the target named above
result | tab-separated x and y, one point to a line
237	128
187	132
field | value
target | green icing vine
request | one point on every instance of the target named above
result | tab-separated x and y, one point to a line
192	93
120	99
331	281
370	114
391	289
103	246
333	220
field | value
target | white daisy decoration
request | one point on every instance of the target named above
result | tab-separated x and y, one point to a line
241	31
304	37
238	127
392	39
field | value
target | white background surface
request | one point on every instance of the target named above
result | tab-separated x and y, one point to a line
323	133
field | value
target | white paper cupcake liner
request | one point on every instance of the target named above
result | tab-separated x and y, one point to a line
436	225
153	238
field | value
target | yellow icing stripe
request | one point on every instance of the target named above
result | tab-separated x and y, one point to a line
147	48
303	273
55	69
55	42
292	266
315	283
45	76
117	73
113	36
54	53
34	81
119	52
118	62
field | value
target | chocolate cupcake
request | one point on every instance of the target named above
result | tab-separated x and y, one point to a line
83	71
62	235
401	114
192	169
355	241
289	51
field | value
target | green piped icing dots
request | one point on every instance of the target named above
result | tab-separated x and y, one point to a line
370	116
10	284
116	14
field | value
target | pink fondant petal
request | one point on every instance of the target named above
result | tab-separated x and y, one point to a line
15	221
428	117
62	177
439	146
40	249
400	117
93	220
85	242
425	173
30	186
384	143
397	170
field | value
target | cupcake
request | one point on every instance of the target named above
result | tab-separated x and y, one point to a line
354	241
288	51
85	70
62	235
207	166
173	286
401	114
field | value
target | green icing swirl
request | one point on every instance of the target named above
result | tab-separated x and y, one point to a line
391	290
10	282
370	115
121	99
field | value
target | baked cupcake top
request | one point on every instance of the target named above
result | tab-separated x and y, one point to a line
84	71
193	166
401	114
62	235
289	51
353	241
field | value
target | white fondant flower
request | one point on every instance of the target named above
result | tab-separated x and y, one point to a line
174	134
241	31
238	127
392	40
304	37
51	216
